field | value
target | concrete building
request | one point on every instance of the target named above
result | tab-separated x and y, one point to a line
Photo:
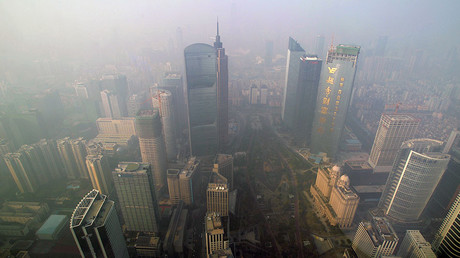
254	95
173	83
67	158
344	201
415	174
375	238
22	172
201	74
79	153
100	173
164	102
148	246
173	185
414	245
446	242
112	104
124	126
187	178
52	227
136	194
264	95
216	238
217	196
96	229
393	130
223	164
50	154
134	104
20	218
334	96
152	145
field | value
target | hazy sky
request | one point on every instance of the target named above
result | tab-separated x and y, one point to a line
32	27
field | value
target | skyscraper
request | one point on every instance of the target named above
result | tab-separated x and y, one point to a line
416	171
393	130
136	194
201	74
319	46
375	238
446	242
223	164
96	229
22	173
163	101
291	83
222	92
152	145
66	154
99	173
173	185
181	182
173	83
79	154
216	237
334	95
111	104
414	245
217	195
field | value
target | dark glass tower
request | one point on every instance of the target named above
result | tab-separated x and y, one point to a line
336	87
201	75
222	92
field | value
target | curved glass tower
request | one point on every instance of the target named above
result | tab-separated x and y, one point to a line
416	172
201	74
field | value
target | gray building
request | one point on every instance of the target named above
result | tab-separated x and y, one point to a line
414	245
164	102
446	242
96	229
136	195
333	100
415	174
375	238
201	74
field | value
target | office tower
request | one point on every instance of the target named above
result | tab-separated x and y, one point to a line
393	130
111	104
120	127
36	163
51	157
446	242
152	145
414	245
449	185
268	53
67	158
291	83
223	165
136	193
100	173
344	201
173	83
181	182
334	95
117	84
264	95
81	90
319	46
217	195
22	172
96	229
375	238
79	154
201	74
417	169
222	92
216	238
163	101
254	95
173	185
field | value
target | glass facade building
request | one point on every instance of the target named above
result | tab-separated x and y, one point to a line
201	74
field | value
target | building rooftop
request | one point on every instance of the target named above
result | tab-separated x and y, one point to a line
380	230
132	167
86	211
192	164
400	117
214	224
148	113
221	158
51	224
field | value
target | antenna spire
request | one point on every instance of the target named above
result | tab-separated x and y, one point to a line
217	43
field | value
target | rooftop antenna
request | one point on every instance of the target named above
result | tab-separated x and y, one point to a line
332	43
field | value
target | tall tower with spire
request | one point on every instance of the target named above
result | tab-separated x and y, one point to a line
222	92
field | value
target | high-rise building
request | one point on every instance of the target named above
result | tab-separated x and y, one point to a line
22	172
334	96
291	84
217	195
181	182
319	46
223	164
393	130
344	201
264	95
111	104
446	242
414	245
173	185
124	126
417	169
222	92
79	154
51	157
117	84
136	193
254	95
152	145
164	102
100	173
66	154
374	239
36	162
134	104
216	238
96	229
201	74
173	83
